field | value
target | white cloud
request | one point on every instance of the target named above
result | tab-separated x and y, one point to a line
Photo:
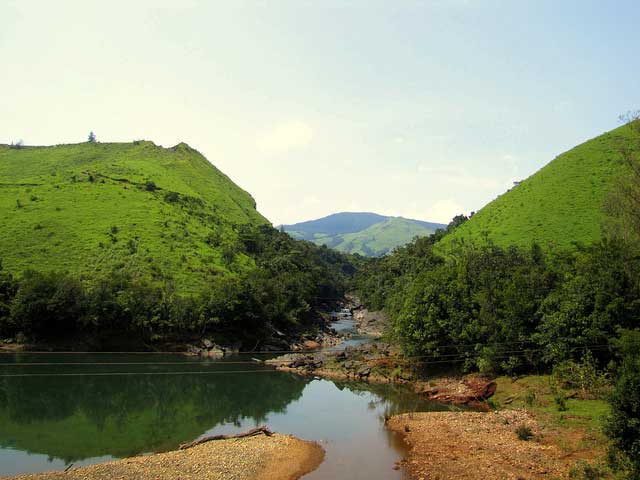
286	136
443	211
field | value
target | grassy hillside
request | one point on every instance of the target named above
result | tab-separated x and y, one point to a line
88	207
367	234
382	237
560	204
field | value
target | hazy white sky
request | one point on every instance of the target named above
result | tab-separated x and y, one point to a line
423	109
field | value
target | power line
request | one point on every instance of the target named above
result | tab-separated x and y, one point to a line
420	359
114	374
284	352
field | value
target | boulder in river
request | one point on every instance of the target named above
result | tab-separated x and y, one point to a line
193	350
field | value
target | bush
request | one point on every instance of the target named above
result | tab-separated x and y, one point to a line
530	398
171	197
623	425
585	471
583	376
561	402
524	433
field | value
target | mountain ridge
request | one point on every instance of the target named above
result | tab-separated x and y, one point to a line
365	233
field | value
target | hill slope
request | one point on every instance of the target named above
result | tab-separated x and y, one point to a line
560	204
365	233
90	207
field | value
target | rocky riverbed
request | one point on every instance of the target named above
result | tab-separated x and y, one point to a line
382	362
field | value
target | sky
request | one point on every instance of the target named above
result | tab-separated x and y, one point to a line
422	109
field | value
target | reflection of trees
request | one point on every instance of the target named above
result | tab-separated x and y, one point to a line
392	399
79	417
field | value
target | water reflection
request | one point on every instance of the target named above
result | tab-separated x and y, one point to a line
47	422
77	417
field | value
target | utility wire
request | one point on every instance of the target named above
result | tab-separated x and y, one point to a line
260	352
277	361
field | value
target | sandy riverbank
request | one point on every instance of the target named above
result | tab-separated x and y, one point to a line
278	457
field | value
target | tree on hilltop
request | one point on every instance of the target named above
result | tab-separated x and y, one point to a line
92	137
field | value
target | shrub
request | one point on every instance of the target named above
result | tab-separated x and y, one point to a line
171	197
585	471
524	433
561	402
584	376
623	425
530	398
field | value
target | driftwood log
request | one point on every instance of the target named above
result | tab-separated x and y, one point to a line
251	433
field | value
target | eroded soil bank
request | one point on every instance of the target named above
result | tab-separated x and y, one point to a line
278	457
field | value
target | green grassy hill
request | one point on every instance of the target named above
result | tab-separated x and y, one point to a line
89	207
561	204
382	237
367	234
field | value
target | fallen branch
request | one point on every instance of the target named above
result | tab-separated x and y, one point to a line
251	433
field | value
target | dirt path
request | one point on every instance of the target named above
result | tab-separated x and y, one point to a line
279	457
473	445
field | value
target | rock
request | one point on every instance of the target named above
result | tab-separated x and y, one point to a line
307	362
300	362
481	388
349	365
311	344
213	353
430	392
8	340
341	356
193	350
208	344
364	372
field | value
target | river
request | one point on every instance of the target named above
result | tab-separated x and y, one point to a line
62	409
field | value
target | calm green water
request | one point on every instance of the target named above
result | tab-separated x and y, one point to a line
88	408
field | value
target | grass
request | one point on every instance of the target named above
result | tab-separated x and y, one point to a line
90	207
576	427
558	206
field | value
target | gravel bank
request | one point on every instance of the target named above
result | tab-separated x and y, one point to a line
279	457
473	445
